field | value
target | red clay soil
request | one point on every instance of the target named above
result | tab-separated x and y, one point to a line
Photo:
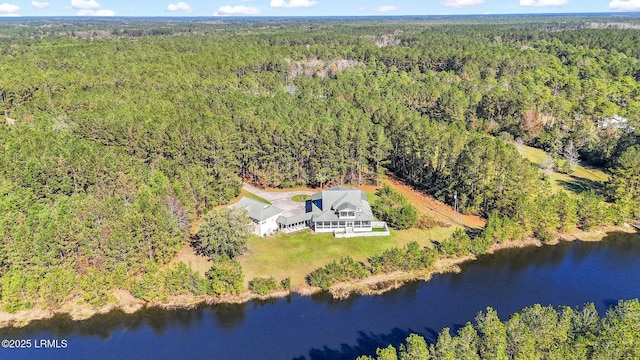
431	206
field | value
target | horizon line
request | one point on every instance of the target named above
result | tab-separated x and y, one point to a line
624	13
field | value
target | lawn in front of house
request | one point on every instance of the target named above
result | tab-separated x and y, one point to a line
296	255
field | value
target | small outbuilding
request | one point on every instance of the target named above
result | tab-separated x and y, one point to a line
263	215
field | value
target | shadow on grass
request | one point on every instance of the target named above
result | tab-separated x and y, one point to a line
578	185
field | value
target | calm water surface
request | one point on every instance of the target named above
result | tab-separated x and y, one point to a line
320	328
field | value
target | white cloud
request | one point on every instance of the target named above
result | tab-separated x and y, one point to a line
85	4
630	5
90	8
387	8
292	4
102	12
544	2
40	5
228	10
9	9
181	6
462	3
105	12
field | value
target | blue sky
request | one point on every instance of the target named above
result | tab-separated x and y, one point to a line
304	7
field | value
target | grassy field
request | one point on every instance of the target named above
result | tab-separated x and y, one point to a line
296	255
583	178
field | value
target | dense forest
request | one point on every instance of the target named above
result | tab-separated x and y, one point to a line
118	135
536	332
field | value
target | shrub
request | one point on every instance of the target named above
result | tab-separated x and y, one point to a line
410	257
459	243
346	269
286	283
428	222
394	208
224	277
181	280
263	286
157	284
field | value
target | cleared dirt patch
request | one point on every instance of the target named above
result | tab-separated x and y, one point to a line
187	255
429	205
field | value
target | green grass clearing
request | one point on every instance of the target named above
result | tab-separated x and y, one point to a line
296	255
301	197
371	195
253	196
583	178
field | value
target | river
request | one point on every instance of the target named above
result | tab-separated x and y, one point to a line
321	328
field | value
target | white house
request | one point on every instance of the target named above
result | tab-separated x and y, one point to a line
340	208
263	215
343	211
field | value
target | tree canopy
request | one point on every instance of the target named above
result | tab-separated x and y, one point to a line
116	135
536	332
224	233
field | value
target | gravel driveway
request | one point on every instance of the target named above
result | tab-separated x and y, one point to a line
281	199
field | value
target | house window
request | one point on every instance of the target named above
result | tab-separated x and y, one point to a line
347	214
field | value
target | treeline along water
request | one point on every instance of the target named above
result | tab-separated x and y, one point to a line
321	328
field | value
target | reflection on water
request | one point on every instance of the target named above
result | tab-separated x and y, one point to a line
319	327
365	343
228	316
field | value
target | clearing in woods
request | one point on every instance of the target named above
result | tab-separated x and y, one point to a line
582	179
296	255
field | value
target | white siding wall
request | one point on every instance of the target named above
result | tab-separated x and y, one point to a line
269	227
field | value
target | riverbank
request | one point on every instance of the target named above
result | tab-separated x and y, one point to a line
378	284
372	285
